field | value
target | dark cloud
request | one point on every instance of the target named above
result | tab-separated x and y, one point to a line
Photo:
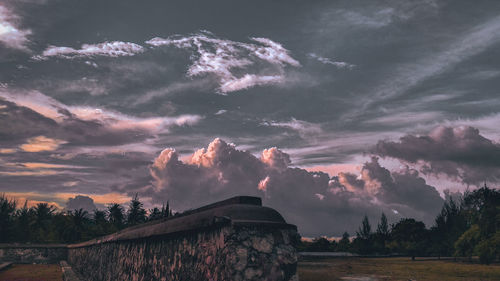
461	153
81	202
88	172
308	199
32	114
18	123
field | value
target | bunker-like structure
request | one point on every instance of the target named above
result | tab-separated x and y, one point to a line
235	239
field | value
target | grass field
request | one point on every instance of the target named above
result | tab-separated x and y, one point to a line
331	269
382	269
32	272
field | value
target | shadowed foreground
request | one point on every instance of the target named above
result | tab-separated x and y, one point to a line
382	269
32	272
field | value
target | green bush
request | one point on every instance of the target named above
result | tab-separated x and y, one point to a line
489	249
464	246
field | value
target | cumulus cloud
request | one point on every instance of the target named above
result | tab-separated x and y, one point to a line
107	49
11	35
461	153
236	65
81	202
314	201
275	159
403	187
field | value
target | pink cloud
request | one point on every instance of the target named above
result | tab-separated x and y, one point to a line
306	198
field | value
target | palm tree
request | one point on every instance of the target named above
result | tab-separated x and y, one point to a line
116	215
25	219
101	225
7	209
136	213
78	222
43	217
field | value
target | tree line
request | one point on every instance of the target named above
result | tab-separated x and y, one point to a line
43	223
467	227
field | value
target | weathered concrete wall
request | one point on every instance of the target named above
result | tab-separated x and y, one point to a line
25	253
220	242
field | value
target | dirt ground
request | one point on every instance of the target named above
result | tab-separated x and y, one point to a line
32	272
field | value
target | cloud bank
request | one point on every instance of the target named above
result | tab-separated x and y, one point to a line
34	115
316	202
461	153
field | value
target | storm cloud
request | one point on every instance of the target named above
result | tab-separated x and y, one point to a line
461	153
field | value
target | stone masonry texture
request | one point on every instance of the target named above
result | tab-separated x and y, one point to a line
19	253
229	252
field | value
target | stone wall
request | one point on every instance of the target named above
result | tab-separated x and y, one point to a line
25	253
236	239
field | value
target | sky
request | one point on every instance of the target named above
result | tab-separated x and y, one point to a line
328	110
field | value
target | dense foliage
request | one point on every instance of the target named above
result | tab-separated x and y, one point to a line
469	227
42	223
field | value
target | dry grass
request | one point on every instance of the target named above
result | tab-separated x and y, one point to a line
371	269
32	272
